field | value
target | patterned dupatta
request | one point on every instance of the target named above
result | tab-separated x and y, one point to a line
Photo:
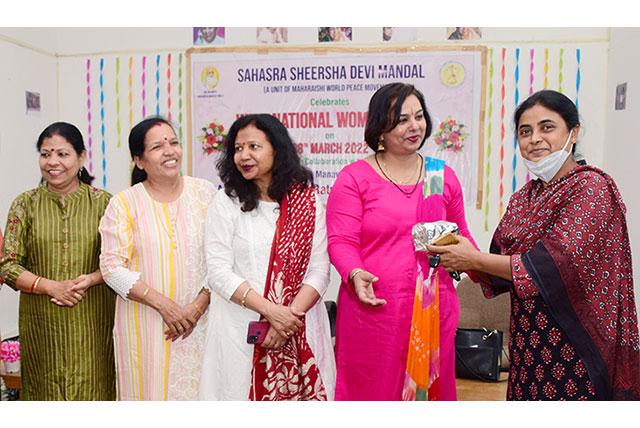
573	241
423	360
291	372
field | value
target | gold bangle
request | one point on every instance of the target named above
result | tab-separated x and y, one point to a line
195	305
35	284
145	293
244	297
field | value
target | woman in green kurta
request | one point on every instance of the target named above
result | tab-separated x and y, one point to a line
51	255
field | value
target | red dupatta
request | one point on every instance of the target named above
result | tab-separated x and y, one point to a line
290	372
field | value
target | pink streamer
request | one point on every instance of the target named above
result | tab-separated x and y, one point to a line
89	139
531	79
169	87
144	93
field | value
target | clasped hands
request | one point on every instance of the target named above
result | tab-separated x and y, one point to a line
69	292
285	321
180	320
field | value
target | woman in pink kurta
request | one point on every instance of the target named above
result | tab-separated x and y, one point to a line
370	213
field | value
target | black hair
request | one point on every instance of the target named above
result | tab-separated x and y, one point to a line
287	168
385	108
136	144
73	136
553	100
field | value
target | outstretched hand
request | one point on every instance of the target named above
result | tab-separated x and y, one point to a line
363	287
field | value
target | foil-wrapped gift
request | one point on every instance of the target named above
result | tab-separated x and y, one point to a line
434	233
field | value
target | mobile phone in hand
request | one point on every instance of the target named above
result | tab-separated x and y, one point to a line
257	331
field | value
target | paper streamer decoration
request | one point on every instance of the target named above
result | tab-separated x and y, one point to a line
531	79
158	85
89	139
546	68
143	79
560	66
118	127
578	79
515	134
500	188
487	167
102	139
169	87
130	92
180	97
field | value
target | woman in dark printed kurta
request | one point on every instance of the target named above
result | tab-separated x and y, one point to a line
51	255
562	250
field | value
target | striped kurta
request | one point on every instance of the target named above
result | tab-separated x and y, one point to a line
67	353
163	242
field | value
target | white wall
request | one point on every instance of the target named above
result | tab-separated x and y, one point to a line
73	46
22	69
622	153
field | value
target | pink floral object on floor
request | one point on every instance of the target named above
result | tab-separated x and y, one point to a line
10	351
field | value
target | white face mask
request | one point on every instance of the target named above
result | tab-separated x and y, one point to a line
546	168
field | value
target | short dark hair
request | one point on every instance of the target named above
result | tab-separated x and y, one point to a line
553	100
287	168
136	144
73	136
381	118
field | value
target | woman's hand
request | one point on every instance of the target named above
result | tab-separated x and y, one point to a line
62	292
284	319
273	340
363	287
458	257
83	282
175	317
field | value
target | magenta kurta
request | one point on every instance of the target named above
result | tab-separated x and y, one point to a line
369	224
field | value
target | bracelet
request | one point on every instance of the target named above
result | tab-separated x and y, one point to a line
35	284
145	293
195	305
353	274
244	297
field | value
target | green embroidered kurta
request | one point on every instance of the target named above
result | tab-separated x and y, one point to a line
67	353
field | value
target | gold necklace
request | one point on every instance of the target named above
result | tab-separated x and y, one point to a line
391	178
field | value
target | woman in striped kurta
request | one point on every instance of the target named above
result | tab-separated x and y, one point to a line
153	257
51	255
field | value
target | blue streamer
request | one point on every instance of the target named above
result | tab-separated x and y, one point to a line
158	85
578	79
515	135
103	142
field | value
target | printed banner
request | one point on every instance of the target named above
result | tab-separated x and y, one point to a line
323	101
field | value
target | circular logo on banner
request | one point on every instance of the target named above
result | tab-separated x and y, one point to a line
452	74
210	77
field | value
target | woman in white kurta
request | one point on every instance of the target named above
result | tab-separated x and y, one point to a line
153	257
238	245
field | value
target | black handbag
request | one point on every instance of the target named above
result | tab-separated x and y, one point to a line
478	354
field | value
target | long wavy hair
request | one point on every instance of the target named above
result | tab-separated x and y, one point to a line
287	168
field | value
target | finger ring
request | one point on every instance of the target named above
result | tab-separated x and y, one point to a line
288	333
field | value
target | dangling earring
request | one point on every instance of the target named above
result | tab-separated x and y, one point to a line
80	172
381	144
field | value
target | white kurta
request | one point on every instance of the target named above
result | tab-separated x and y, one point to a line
238	246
